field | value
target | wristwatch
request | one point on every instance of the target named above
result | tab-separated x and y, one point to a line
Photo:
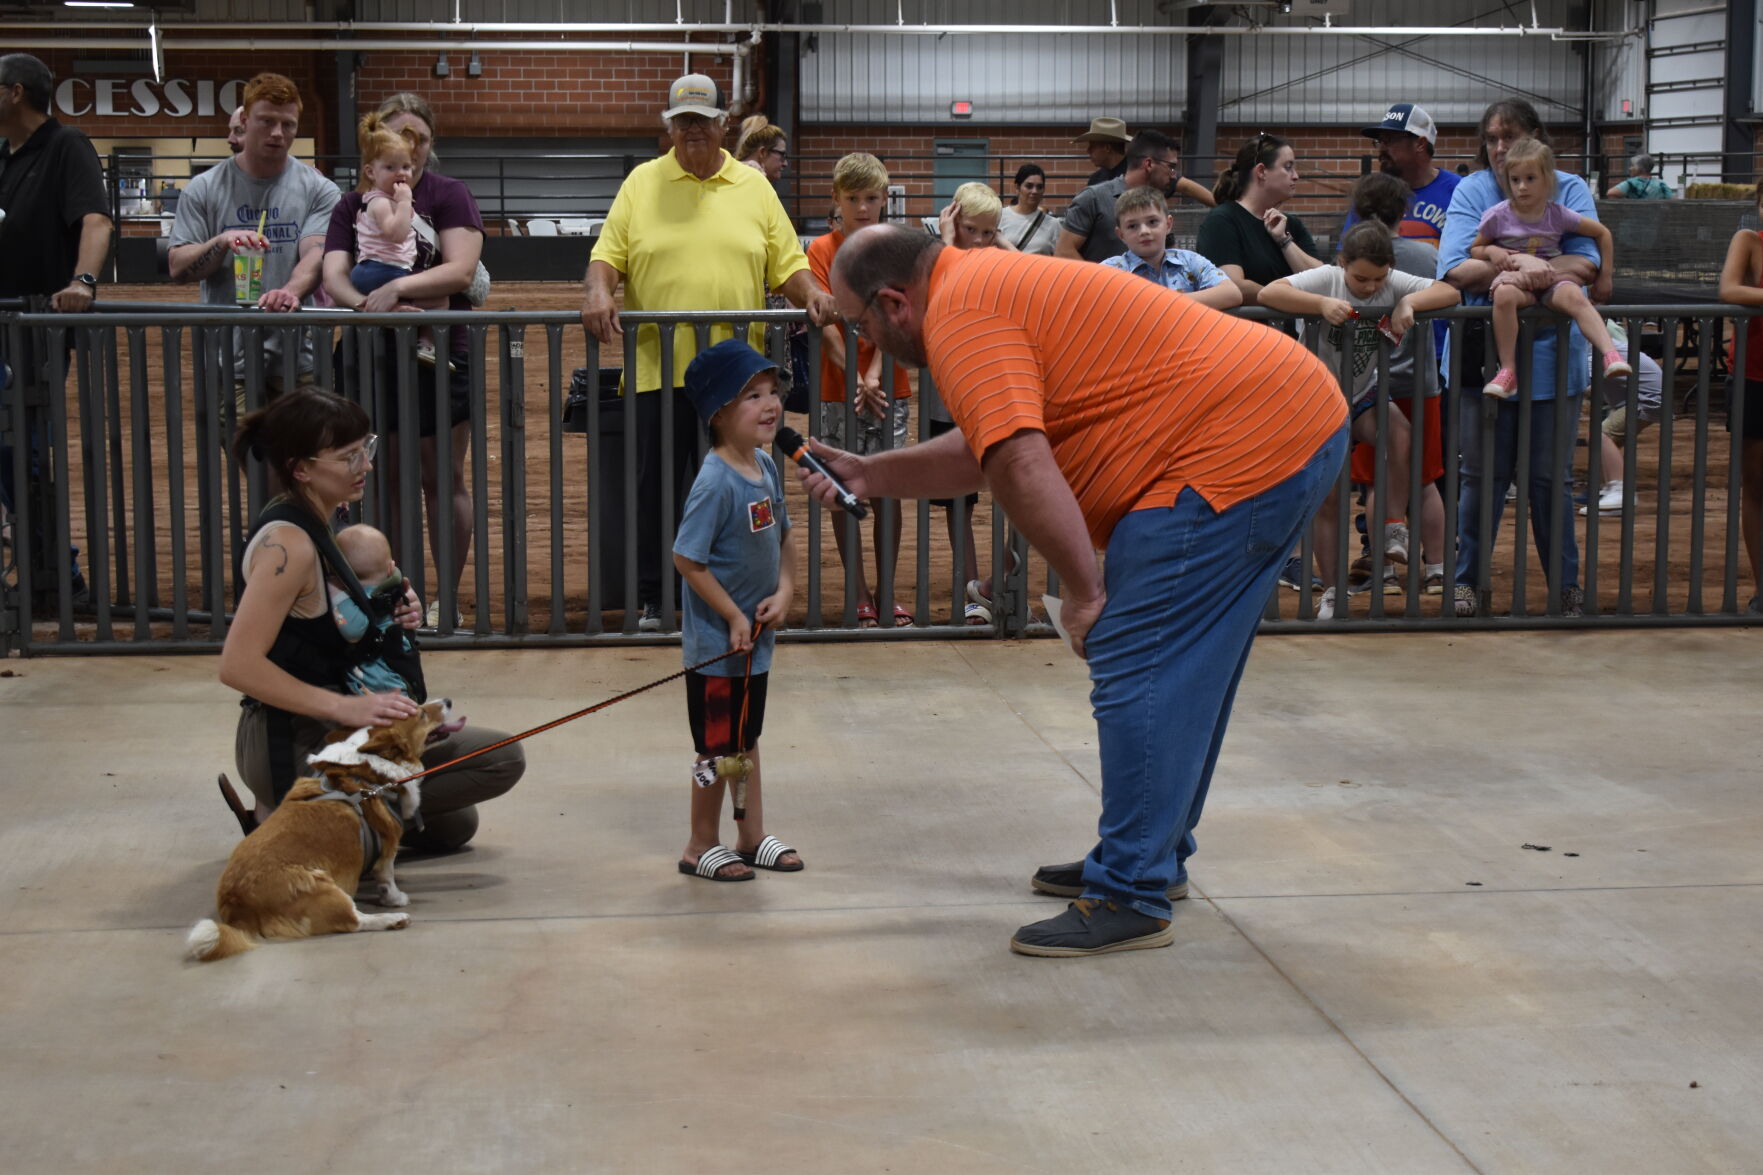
87	280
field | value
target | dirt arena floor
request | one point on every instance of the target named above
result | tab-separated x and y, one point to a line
554	523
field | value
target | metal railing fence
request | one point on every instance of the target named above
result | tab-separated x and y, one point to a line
127	463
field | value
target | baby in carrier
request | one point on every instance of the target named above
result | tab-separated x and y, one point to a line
369	555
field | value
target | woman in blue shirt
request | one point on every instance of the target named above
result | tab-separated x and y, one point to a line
1502	124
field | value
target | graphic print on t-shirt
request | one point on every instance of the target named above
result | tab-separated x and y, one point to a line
759	516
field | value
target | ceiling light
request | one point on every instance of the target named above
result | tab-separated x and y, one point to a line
98	3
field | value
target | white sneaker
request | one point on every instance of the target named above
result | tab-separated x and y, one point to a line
1609	500
1395	542
1325	606
649	618
432	619
1434	582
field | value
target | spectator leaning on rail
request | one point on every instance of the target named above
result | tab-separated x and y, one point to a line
1024	223
1741	283
55	233
1088	233
1405	141
692	230
1196	455
449	240
1504	123
221	209
1247	236
1106	142
1641	183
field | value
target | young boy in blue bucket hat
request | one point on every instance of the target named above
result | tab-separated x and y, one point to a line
735	554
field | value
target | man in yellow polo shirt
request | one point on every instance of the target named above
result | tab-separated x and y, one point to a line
692	230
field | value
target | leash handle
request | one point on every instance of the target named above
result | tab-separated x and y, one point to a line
583	713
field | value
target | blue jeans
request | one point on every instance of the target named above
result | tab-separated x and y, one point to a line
368	276
1505	462
1186	589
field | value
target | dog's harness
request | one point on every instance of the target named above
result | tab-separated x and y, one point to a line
348	752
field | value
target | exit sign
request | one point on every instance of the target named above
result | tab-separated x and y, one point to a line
961	108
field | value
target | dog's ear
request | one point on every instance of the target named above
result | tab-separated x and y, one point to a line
338	735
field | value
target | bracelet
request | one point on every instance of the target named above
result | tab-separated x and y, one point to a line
1284	241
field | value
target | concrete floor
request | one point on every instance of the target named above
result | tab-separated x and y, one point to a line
1339	998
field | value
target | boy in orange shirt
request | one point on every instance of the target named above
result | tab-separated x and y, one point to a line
860	193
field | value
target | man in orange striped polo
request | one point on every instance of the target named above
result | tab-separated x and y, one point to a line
1108	413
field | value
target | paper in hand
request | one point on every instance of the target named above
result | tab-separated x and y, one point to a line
1053	604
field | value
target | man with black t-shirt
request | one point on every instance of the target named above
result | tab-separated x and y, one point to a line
55	233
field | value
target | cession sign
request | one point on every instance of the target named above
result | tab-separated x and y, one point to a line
146	98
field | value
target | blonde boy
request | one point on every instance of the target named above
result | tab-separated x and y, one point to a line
971	219
860	193
1141	221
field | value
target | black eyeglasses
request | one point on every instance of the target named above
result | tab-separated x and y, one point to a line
857	322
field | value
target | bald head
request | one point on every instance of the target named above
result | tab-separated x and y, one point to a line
235	131
883	255
880	281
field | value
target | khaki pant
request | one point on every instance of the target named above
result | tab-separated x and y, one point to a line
449	798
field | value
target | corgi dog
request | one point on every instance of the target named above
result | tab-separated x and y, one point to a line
296	875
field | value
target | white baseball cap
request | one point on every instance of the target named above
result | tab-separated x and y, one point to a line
694	94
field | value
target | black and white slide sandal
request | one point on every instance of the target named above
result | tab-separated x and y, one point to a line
710	860
767	854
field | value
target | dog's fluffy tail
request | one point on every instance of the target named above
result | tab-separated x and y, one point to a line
210	940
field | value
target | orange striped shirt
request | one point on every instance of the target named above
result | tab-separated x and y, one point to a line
832	377
1140	391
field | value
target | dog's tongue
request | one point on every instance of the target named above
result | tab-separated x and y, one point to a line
447	728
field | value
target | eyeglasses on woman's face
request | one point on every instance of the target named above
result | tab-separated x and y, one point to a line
358	458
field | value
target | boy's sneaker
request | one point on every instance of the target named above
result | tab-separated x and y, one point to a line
1609	500
1434	582
1615	366
1395	542
1325	606
1292	575
1572	600
1464	600
649	618
1067	881
1090	927
1503	386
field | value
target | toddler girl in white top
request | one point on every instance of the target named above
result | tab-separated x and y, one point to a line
385	232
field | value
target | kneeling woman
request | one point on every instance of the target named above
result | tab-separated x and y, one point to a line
285	650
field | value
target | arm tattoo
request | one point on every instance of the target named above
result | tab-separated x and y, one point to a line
282	567
206	263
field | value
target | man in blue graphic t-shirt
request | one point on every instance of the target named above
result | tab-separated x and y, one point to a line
1405	141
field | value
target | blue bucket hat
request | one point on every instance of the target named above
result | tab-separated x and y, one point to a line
717	374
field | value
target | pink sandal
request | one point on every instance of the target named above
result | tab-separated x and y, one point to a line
1616	366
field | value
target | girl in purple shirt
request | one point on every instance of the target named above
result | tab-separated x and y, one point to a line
1531	221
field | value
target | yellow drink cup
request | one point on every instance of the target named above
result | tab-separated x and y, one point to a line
247	275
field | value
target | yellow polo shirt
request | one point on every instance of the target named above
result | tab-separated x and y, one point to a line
683	243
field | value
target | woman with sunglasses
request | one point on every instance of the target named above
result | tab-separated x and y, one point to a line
1246	235
286	651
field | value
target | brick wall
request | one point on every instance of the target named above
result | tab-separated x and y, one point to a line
536	95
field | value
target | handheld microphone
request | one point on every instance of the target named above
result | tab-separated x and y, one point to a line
797	450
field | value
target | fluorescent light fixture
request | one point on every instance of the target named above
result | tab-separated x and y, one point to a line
156	51
97	3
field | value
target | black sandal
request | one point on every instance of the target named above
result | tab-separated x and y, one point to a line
246	817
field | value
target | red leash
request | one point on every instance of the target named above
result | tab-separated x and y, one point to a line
583	713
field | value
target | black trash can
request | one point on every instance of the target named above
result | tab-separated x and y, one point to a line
606	470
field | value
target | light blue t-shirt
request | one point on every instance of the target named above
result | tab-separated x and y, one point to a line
1181	270
1473	198
735	527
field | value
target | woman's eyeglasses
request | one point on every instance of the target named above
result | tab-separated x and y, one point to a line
357	459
